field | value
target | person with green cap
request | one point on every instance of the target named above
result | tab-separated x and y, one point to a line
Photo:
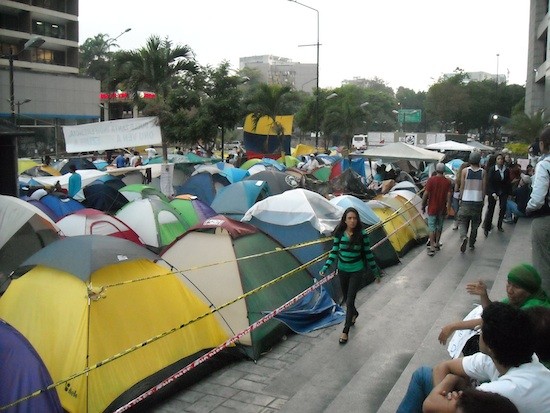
523	291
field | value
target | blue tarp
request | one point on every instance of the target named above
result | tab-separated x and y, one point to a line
316	310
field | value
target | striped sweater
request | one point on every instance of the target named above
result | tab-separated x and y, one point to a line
349	255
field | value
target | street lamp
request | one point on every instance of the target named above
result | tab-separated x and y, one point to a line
34	41
19	103
495	127
112	41
317	83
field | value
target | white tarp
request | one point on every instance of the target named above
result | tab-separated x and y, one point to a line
87	175
122	133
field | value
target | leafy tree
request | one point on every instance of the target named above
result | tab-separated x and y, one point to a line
224	103
271	101
447	100
95	58
347	113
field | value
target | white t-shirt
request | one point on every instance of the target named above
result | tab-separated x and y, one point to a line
527	386
150	152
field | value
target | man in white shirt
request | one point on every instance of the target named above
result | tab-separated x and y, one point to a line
506	365
151	152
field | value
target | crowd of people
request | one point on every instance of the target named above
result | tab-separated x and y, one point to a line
504	361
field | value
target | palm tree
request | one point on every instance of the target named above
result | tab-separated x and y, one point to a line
154	66
271	101
528	128
95	55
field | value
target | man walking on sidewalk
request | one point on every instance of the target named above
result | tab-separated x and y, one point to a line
472	186
437	197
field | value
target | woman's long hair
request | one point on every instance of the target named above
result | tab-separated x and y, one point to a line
356	237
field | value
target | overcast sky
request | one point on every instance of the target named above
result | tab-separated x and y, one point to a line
405	43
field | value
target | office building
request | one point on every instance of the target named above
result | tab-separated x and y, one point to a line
537	87
283	71
48	90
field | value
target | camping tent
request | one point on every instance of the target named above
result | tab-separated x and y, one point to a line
400	150
234	200
383	251
211	259
61	204
192	210
203	185
91	221
23	373
24	230
299	216
88	298
277	181
406	208
399	232
157	223
103	197
141	191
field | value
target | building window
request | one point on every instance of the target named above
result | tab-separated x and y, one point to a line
48	29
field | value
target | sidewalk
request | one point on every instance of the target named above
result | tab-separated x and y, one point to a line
396	332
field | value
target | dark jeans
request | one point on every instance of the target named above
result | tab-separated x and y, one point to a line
488	221
420	386
351	283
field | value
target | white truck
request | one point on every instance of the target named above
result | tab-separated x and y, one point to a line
359	142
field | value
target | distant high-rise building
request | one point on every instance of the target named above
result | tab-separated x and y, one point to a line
283	71
537	86
48	90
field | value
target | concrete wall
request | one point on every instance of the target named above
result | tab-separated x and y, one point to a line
52	96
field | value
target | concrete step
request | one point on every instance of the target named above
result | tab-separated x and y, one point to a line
494	253
401	314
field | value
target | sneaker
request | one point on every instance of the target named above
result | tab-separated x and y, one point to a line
431	252
463	245
438	246
500	229
455	226
472	247
508	221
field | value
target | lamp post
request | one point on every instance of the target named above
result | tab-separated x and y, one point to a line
495	126
34	41
19	103
112	41
317	76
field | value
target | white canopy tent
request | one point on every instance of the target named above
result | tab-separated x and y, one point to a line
402	151
480	146
450	146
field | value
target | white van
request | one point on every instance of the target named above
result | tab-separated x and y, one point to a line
359	142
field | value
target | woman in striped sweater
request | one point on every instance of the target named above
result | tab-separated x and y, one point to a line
351	249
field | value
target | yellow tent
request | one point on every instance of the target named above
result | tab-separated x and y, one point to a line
302	149
85	301
399	232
